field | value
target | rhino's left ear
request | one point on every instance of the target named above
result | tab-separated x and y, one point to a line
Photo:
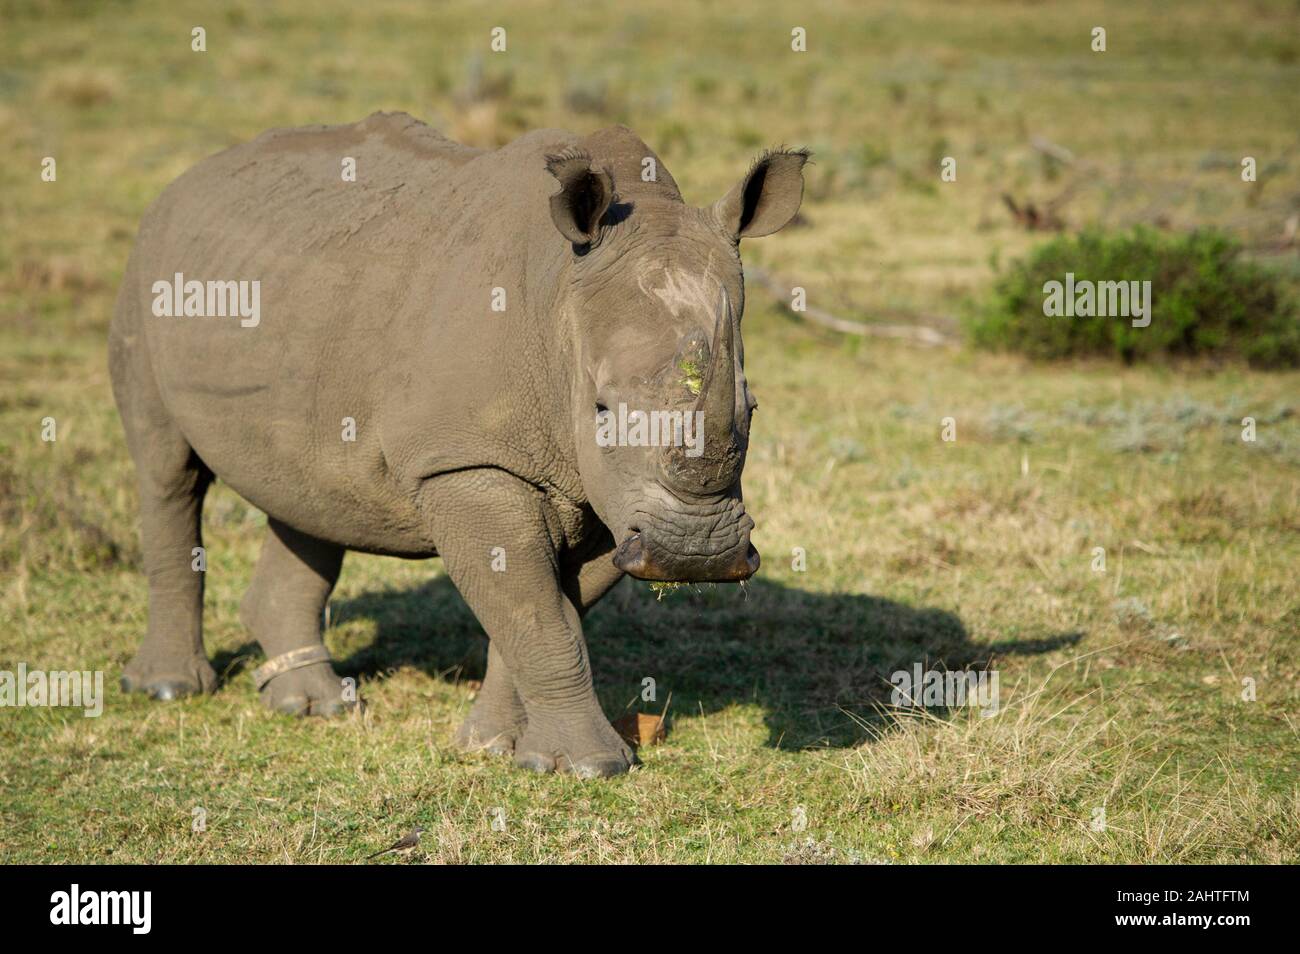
585	193
767	198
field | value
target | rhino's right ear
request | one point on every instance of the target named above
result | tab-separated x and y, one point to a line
585	193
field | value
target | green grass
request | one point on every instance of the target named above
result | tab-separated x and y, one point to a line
1120	689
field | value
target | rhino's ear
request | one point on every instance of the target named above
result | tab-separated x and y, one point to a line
767	198
585	193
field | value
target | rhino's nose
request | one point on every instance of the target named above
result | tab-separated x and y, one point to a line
635	557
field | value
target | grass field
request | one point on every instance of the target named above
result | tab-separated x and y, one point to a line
1122	690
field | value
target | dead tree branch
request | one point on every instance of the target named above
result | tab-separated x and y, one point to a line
780	291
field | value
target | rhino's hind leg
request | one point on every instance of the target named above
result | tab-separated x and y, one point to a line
283	609
171	661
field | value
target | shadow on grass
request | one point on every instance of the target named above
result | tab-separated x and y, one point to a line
230	663
817	664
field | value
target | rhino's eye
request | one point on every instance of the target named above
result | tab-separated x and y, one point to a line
604	420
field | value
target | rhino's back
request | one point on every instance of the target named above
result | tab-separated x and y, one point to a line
354	278
288	188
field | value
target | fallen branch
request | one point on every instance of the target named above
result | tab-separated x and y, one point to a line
780	291
1049	148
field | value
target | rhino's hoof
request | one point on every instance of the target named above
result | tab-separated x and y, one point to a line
499	744
606	753
310	691
488	731
535	762
602	767
591	766
300	707
166	681
163	690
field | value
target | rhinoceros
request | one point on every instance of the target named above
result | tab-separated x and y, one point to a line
393	343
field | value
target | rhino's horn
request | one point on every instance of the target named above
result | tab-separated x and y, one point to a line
718	396
714	468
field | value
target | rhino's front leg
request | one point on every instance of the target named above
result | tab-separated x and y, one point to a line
500	550
498	718
592	573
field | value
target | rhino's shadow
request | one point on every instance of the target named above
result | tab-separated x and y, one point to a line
818	665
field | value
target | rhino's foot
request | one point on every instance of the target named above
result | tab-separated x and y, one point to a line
314	690
491	728
164	676
584	744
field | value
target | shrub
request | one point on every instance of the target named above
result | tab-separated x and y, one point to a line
1205	301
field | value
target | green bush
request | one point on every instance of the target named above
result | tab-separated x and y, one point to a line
1204	301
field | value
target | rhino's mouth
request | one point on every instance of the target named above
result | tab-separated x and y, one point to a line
642	556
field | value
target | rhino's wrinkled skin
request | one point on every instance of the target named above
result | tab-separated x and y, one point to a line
474	427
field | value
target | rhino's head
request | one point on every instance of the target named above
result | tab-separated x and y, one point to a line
661	408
